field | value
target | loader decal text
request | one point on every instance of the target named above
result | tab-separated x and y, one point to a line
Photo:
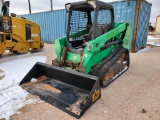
35	35
96	95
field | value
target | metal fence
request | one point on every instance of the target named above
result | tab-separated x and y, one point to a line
136	12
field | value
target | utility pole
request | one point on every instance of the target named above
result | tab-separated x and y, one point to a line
29	6
51	2
2	2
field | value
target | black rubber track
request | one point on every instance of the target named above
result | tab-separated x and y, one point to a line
103	67
96	68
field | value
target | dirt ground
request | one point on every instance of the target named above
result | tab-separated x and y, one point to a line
133	96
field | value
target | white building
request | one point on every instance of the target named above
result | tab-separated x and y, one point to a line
157	27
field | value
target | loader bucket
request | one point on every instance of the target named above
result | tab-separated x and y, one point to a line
70	91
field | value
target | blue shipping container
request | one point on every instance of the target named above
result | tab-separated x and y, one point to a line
136	12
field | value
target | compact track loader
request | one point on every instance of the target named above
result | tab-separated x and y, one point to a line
18	35
93	54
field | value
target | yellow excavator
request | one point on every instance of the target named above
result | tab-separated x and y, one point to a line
18	35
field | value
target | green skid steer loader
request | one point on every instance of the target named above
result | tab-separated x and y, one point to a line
94	53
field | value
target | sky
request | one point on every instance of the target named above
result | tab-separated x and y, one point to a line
21	6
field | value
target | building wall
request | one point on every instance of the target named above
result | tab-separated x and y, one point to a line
158	24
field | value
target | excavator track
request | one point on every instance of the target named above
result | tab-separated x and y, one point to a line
112	66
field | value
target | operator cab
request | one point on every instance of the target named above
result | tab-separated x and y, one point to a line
79	26
81	21
87	20
4	24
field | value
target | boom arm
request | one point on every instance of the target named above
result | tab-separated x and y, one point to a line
95	45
